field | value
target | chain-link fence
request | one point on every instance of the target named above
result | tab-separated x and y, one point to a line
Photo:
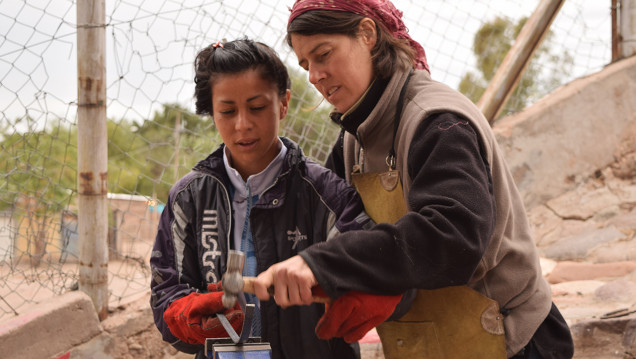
154	137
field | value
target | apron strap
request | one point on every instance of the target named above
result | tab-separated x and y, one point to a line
390	159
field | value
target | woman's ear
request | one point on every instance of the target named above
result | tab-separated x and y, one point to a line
284	104
368	32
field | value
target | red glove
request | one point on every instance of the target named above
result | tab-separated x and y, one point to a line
193	317
354	314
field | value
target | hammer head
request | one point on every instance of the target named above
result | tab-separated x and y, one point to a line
232	281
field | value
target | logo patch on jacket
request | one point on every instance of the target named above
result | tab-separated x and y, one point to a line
209	240
296	237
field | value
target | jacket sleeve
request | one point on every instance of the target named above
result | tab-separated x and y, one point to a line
440	241
168	282
340	197
335	160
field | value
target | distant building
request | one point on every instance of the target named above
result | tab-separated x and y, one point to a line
132	226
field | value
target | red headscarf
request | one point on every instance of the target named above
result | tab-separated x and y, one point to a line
382	11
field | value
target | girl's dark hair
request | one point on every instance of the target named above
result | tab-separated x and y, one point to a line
389	54
234	57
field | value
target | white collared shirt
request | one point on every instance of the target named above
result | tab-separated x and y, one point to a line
255	185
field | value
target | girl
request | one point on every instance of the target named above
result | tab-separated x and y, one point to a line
256	193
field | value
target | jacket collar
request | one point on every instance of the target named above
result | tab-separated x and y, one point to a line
213	164
255	183
381	118
352	119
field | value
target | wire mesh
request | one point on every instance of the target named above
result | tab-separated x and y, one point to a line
154	136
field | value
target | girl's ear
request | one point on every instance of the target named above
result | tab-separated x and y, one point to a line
368	32
284	104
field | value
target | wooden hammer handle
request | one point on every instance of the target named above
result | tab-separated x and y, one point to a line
248	287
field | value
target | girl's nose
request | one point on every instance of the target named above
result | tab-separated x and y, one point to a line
242	121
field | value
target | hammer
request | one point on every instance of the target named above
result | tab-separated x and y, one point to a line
234	283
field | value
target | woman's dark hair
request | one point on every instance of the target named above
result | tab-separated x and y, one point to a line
233	57
389	53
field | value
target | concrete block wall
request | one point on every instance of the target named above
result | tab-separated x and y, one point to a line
50	329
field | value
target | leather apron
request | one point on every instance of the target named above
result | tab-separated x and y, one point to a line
452	322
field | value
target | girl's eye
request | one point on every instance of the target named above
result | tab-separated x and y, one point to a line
226	112
257	108
325	54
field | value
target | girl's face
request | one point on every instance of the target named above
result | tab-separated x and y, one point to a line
247	110
339	66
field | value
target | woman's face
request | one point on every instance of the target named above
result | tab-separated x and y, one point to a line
247	110
339	66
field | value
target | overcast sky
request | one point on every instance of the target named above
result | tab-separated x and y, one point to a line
151	45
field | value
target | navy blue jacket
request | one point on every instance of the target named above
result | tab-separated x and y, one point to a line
306	204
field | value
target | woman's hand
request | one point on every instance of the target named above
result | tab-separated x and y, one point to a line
292	280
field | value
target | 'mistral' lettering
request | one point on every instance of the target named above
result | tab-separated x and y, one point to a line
210	240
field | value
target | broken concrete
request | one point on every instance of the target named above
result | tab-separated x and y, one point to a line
579	247
579	128
570	271
582	204
612	338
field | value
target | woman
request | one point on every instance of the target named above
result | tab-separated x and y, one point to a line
456	230
256	193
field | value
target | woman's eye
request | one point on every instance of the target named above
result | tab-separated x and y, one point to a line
257	108
226	112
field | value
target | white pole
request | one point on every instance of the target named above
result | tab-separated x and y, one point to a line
92	153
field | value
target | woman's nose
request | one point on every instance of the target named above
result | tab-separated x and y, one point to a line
315	75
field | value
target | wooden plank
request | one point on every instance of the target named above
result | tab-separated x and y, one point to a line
515	62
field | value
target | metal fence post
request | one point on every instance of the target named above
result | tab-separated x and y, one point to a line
92	150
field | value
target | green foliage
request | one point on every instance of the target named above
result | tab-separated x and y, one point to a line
38	167
148	159
143	158
308	122
490	46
